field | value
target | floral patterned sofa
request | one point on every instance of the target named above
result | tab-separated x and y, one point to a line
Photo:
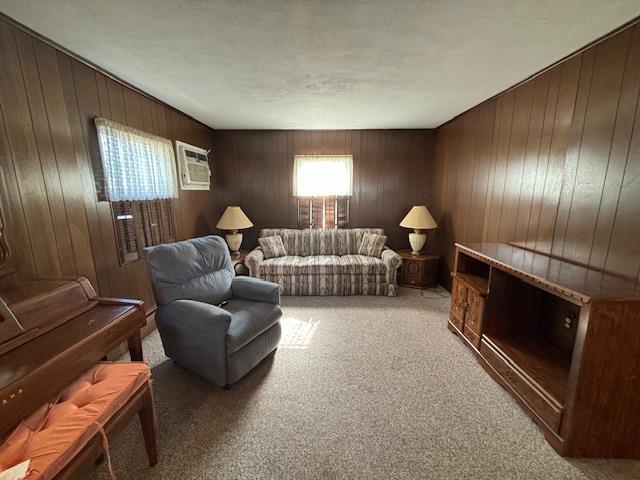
326	262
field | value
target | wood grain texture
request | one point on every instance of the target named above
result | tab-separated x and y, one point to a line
55	225
254	169
553	164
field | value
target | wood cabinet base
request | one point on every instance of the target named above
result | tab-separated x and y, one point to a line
563	340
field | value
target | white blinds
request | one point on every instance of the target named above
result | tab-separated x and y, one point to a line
322	175
136	165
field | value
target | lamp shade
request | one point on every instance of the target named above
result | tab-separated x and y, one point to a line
233	218
418	218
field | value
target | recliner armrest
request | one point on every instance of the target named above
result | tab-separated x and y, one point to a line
195	315
255	289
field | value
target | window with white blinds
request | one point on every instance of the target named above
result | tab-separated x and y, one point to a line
136	165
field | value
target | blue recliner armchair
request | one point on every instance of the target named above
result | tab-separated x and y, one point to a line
211	322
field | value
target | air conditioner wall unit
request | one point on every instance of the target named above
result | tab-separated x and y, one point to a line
193	167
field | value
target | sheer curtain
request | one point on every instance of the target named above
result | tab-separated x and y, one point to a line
322	175
136	165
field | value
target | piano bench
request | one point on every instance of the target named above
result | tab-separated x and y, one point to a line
64	438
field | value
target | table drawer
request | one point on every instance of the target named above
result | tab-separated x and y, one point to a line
547	411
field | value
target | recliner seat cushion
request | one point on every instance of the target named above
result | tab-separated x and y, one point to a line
249	319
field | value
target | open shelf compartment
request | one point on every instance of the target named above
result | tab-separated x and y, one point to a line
534	330
473	272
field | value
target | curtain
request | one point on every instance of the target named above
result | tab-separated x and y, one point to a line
136	165
322	175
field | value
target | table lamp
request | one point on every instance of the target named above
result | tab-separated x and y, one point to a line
234	219
419	219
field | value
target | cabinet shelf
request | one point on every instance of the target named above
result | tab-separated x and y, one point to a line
475	282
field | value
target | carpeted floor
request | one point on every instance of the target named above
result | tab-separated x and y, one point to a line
361	387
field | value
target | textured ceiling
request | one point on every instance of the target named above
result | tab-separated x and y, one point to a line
278	64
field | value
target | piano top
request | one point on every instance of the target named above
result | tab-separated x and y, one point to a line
34	354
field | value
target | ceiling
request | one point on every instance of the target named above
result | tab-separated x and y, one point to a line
323	64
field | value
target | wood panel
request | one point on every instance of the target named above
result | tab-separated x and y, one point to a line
254	169
56	227
552	165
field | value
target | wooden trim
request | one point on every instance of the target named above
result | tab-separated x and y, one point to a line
580	50
90	64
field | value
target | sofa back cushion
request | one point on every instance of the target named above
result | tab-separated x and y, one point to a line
321	241
198	269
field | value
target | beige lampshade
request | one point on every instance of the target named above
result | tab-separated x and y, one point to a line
233	218
419	218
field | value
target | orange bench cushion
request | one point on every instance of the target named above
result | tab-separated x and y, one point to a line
53	435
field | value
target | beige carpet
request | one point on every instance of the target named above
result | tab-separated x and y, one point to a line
361	387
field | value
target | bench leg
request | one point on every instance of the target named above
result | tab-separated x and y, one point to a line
149	424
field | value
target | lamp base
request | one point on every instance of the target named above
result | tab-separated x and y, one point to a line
234	240
417	240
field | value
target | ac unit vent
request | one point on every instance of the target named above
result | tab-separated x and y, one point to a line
193	166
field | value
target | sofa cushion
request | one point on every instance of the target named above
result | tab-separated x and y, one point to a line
362	265
320	241
248	320
293	265
53	435
272	246
372	245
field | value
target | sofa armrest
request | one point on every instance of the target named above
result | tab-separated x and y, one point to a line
253	260
255	289
391	259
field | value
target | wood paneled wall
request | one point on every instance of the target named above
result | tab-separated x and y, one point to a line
56	228
254	169
553	164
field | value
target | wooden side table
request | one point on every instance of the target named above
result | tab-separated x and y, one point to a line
418	271
238	263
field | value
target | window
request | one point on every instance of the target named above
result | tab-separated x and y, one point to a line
142	224
139	180
136	165
323	185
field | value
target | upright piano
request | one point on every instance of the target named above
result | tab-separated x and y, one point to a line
47	341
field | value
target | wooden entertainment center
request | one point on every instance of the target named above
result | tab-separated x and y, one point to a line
563	339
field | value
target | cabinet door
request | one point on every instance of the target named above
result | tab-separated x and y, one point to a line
412	274
458	299
475	311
